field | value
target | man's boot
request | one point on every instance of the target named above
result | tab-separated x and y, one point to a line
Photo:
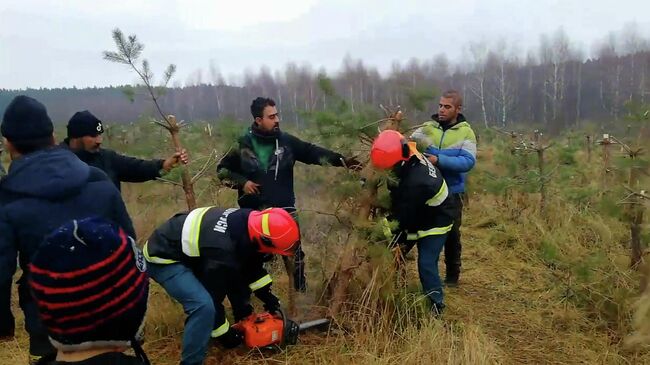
453	270
451	281
437	309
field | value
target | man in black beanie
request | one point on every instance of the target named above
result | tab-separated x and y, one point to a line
44	187
85	140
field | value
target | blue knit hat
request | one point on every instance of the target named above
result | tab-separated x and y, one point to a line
26	119
89	282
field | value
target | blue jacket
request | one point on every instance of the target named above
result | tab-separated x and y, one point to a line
41	191
455	148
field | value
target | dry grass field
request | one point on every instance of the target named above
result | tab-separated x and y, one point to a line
536	288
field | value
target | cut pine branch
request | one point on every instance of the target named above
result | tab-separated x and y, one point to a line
128	53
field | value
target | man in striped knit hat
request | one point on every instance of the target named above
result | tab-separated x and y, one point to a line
89	282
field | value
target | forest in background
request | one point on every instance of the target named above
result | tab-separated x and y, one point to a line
554	87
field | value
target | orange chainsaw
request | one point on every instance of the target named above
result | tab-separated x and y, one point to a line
266	330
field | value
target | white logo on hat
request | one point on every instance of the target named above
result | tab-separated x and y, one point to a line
99	127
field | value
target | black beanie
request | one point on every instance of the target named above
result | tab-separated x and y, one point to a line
89	282
84	123
26	119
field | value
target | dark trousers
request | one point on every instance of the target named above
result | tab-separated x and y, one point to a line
299	279
7	320
39	342
453	247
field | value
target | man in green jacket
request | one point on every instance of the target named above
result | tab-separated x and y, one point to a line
261	169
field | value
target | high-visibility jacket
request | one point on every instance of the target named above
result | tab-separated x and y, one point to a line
454	146
214	242
419	199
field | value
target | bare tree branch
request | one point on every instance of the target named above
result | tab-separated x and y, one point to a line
335	215
161	124
626	147
375	122
212	160
169	181
643	194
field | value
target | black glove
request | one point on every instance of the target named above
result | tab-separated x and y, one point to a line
271	302
231	339
352	163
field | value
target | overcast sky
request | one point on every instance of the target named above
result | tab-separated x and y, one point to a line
59	43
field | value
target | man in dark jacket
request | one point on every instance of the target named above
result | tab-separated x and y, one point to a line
45	186
262	168
419	204
85	140
201	256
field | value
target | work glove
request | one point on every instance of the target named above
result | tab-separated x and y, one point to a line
386	229
271	302
391	231
231	339
395	236
352	163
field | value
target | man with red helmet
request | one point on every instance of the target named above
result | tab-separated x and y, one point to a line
201	256
419	204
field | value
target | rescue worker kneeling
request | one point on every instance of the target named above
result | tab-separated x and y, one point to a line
419	203
201	256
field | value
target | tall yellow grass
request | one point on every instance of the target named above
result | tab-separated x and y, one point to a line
552	288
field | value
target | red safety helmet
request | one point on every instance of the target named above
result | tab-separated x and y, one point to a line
389	148
274	230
